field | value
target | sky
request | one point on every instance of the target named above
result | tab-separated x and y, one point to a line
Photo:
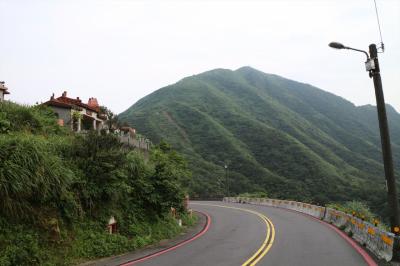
122	50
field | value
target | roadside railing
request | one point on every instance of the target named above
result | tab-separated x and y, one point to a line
375	239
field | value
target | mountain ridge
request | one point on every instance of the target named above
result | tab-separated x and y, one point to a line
284	137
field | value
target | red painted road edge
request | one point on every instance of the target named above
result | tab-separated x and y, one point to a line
199	234
370	261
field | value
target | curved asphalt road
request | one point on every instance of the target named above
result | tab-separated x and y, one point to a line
235	235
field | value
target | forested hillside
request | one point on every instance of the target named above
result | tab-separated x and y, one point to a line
286	138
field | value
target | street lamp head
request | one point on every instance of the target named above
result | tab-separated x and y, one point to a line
337	45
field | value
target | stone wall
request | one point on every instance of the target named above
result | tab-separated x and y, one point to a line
64	114
132	141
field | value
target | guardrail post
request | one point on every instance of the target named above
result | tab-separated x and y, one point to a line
325	210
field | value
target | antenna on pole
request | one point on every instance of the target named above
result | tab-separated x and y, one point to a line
382	47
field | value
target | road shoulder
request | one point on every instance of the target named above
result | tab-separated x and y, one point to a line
161	246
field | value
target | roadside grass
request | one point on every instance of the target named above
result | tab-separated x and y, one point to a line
86	241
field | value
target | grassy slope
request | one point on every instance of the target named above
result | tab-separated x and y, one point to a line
287	138
58	191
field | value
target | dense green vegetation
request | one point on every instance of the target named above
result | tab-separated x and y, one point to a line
254	195
360	210
58	190
288	139
356	208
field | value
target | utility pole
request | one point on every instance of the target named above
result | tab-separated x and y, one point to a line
372	66
385	141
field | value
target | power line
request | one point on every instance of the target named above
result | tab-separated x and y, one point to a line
379	27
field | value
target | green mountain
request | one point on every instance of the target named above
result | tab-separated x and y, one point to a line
289	139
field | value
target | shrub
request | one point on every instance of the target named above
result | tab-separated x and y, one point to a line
19	246
360	209
101	161
168	178
259	194
95	243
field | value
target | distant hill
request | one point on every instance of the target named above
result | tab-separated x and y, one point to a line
289	139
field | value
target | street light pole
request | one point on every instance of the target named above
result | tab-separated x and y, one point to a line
385	141
372	66
227	180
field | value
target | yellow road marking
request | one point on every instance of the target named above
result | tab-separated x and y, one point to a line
269	238
269	244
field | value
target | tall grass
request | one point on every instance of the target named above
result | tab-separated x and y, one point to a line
31	175
34	119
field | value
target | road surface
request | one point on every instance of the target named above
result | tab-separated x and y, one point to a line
242	234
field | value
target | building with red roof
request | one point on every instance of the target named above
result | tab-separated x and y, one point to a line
76	114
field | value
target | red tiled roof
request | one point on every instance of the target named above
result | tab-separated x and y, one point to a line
54	102
77	102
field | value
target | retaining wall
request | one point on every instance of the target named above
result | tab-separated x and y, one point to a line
373	238
139	143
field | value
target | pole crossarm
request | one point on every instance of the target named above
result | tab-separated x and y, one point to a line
357	50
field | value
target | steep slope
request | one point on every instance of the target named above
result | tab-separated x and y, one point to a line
277	135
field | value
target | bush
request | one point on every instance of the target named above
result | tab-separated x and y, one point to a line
360	209
168	178
98	243
19	246
103	185
260	194
92	241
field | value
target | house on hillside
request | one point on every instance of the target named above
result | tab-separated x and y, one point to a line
77	115
3	90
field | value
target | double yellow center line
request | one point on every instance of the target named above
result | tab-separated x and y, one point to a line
269	238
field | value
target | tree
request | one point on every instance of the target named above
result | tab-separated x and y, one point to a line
112	118
101	160
170	177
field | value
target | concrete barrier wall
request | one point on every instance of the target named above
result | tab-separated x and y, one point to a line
373	238
139	143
